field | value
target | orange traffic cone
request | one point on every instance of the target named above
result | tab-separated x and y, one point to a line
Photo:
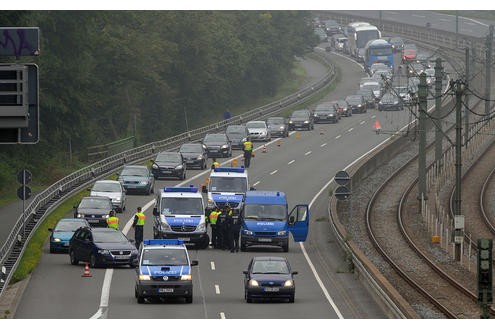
377	127
278	142
264	149
86	271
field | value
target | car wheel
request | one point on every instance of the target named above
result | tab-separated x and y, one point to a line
140	299
189	299
291	299
155	235
92	261
52	250
243	247
73	259
204	165
285	248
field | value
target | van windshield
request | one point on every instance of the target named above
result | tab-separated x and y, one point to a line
161	257
265	212
228	184
181	206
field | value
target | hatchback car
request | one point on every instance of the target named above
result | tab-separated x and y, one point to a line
94	209
301	119
111	189
397	43
195	155
356	103
409	53
137	179
390	101
169	164
237	135
63	232
326	112
343	108
258	131
217	145
277	126
368	96
269	277
102	247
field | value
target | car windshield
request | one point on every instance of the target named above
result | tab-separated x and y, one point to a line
181	206
106	187
68	225
324	107
190	148
135	171
110	236
342	103
215	138
272	267
354	100
228	184
265	212
95	203
256	125
275	120
300	114
168	157
162	257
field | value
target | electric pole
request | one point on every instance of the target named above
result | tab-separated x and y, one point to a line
438	112
466	100
488	66
458	232
422	94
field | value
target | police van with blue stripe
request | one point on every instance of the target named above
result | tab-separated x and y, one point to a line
226	185
164	270
179	213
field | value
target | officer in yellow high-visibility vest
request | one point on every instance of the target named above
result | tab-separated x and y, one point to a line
113	221
248	151
138	225
212	219
215	163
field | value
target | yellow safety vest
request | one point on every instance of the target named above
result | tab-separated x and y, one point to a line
141	219
213	217
216	164
113	222
248	145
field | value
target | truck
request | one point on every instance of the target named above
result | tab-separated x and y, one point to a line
179	213
266	220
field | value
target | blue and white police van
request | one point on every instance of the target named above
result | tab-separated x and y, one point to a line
164	270
179	213
226	185
267	221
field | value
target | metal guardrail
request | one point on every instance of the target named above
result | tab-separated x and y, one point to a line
44	202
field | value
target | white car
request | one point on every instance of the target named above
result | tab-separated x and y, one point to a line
258	131
111	189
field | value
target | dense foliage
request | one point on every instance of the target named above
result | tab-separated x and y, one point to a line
107	75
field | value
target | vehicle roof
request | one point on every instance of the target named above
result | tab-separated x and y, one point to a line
97	197
377	42
73	219
135	166
101	229
265	197
270	258
107	181
164	247
181	194
366	28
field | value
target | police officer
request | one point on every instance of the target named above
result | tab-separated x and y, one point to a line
248	151
113	221
138	225
221	236
227	226
212	219
215	163
234	232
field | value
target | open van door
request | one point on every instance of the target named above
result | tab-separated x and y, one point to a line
299	222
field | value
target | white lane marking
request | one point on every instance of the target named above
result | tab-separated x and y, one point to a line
307	153
222	315
323	145
291	162
254	184
470	23
373	116
467	30
362	122
420	16
217	289
393	12
337	137
272	173
350	129
212	264
444	20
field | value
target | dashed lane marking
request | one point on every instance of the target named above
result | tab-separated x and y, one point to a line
307	153
217	289
323	145
291	162
337	137
272	173
362	122
222	315
350	129
212	264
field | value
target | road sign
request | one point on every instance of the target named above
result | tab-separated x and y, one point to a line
24	177
342	178
24	192
342	193
19	41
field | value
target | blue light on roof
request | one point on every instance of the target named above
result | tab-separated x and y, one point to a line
180	189
163	242
229	169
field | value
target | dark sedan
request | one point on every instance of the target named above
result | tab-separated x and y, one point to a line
343	108
102	247
390	101
195	155
94	209
326	112
169	164
269	277
217	145
237	135
301	119
137	179
356	103
63	232
277	126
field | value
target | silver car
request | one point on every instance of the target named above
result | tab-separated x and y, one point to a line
258	131
111	189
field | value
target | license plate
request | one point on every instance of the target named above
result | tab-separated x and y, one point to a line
66	244
93	221
271	289
165	290
121	257
190	161
185	239
266	240
130	187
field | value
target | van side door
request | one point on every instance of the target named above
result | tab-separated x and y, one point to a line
299	222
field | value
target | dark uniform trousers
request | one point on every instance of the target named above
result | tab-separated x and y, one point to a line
138	234
234	234
247	158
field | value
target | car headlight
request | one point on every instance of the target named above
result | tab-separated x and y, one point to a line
359	105
79	215
201	227
178	167
289	283
165	225
253	283
248	232
315	115
290	122
225	146
134	251
186	277
306	122
330	115
143	182
154	166
144	277
282	233
103	251
243	140
282	128
57	240
118	199
106	216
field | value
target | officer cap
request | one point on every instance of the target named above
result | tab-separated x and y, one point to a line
112	213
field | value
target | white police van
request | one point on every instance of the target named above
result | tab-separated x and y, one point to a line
226	185
164	270
179	213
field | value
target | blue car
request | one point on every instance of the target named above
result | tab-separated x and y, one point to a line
137	179
63	232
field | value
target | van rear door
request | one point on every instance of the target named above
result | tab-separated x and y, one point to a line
299	222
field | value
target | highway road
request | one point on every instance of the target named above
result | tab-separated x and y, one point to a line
301	166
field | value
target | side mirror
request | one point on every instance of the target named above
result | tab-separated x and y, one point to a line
204	190
252	188
294	272
88	189
50	229
132	241
155	211
245	272
194	262
292	219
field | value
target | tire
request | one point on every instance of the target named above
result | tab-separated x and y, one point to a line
52	250
249	300
285	248
203	167
140	299
243	247
73	259
189	299
92	261
291	299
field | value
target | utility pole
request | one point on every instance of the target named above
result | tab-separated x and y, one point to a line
466	100
456	26
458	166
422	94
438	112
488	66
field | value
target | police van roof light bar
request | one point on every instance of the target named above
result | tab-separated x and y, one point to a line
229	169
180	189
163	242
